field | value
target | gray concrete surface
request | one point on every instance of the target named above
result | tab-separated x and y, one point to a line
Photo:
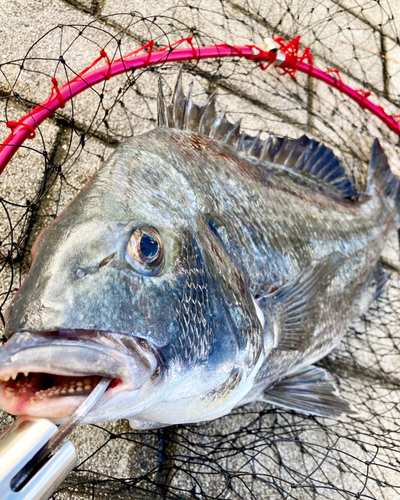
255	456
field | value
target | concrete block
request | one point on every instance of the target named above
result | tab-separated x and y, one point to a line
257	451
113	452
19	187
382	16
393	69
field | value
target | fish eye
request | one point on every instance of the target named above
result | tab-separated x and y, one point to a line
145	250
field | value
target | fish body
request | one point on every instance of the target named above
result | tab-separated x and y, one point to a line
201	269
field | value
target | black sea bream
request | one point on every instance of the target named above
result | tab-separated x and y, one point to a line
200	269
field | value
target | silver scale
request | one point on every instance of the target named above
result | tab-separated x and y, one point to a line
30	466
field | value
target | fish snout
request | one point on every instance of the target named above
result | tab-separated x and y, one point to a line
46	374
22	316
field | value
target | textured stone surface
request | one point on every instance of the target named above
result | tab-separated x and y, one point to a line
362	42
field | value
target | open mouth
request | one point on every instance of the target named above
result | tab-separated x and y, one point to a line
20	392
49	374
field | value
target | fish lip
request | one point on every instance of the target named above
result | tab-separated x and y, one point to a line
14	351
42	345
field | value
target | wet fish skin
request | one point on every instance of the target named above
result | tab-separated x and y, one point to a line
179	311
242	238
271	249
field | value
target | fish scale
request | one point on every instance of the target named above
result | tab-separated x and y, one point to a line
262	254
327	225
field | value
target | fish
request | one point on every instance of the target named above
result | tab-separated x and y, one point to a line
200	269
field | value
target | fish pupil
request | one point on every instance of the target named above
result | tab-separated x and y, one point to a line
148	246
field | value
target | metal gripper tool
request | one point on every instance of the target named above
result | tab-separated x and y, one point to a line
30	466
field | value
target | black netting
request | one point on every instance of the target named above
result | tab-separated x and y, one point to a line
258	451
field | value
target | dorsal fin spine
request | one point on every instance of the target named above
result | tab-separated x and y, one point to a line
162	117
303	154
265	152
242	143
207	115
322	163
253	144
234	129
216	124
178	102
188	108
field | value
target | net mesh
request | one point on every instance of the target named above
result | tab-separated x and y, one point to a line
258	451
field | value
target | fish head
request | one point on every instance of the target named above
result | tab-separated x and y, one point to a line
131	283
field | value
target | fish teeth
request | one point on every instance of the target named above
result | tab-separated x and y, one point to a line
13	376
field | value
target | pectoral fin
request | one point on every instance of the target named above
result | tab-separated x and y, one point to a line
380	280
296	307
375	287
309	392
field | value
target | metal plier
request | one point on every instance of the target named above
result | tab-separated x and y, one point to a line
30	466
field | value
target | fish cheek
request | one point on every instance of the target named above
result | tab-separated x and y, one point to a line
217	320
195	336
234	297
219	339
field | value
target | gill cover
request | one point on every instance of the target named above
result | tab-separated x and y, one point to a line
198	309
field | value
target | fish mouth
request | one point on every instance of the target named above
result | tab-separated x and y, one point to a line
49	374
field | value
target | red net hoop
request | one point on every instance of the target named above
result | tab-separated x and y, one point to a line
289	63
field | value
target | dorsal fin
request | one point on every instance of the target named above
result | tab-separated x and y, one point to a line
315	159
304	154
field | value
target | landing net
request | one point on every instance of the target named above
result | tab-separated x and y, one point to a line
258	451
